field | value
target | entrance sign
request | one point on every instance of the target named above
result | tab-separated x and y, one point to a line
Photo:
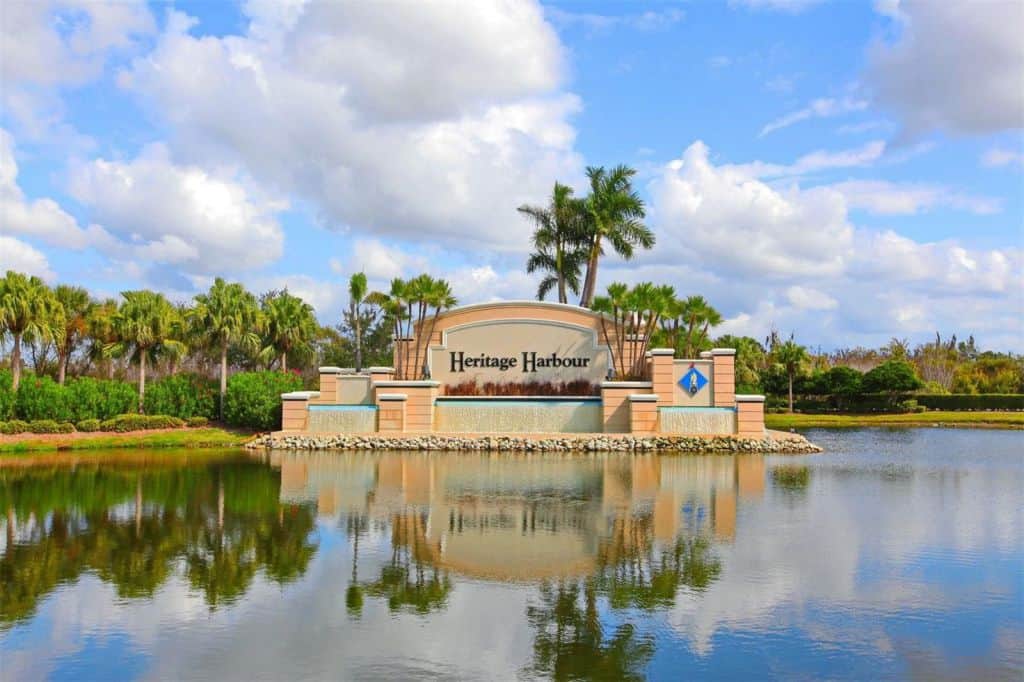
518	350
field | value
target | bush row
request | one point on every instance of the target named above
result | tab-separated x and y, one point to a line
120	424
254	398
901	402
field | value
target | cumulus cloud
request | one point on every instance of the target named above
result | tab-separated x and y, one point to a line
954	66
600	23
996	157
440	125
898	198
19	256
40	218
184	216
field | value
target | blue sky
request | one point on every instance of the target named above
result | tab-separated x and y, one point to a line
846	171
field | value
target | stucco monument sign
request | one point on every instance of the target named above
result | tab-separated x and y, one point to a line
533	367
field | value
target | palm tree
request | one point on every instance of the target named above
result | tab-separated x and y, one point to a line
184	333
289	327
77	306
28	308
227	314
698	316
558	240
439	297
144	324
614	214
100	328
791	356
393	303
358	293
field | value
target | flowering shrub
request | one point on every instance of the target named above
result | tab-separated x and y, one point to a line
538	388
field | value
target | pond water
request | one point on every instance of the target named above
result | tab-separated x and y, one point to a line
897	554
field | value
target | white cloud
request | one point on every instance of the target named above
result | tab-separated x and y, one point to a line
198	221
21	257
601	23
894	198
806	298
41	218
791	6
819	108
387	133
955	66
996	157
819	160
382	262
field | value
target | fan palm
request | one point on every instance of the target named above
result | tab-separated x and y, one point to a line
28	308
558	240
698	317
144	325
614	215
358	291
226	315
791	356
100	328
289	325
77	306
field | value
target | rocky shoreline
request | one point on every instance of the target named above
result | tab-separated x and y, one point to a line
781	444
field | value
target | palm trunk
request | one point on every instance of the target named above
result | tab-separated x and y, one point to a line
562	298
284	361
62	367
142	379
791	393
357	325
591	282
16	362
223	376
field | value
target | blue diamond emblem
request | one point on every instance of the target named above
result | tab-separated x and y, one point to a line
693	381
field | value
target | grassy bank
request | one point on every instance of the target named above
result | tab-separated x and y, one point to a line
1004	420
164	438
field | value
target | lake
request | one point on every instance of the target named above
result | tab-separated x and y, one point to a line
897	554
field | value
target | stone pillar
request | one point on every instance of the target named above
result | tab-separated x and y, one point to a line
381	374
295	409
750	416
615	403
419	409
643	413
391	412
723	376
662	378
329	385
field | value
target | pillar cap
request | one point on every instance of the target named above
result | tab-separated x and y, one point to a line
300	395
330	370
750	398
381	370
643	397
705	354
407	384
627	384
723	351
662	351
392	396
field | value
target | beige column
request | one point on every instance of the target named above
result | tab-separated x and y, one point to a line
662	378
328	385
419	409
643	413
723	376
615	403
391	412
295	409
750	415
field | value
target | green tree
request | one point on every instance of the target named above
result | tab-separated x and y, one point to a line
558	240
687	323
358	297
791	356
227	315
76	306
28	310
892	376
634	314
289	325
615	215
144	326
102	334
750	361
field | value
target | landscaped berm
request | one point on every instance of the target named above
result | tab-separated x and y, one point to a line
530	376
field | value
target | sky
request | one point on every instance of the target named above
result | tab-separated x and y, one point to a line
847	172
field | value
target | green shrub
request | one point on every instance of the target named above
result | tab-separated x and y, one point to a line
910	406
138	422
892	376
182	395
88	425
50	426
89	398
6	395
41	398
14	426
196	421
254	398
990	401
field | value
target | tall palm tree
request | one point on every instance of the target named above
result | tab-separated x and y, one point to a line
392	303
28	308
144	324
791	356
226	315
559	242
698	317
77	306
185	333
101	333
439	297
615	214
289	325
358	291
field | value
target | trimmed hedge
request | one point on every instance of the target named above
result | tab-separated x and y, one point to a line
182	395
901	402
50	426
40	397
195	422
986	401
254	398
138	422
88	425
14	426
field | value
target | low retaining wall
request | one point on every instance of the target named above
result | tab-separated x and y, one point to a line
503	415
708	421
770	444
342	419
